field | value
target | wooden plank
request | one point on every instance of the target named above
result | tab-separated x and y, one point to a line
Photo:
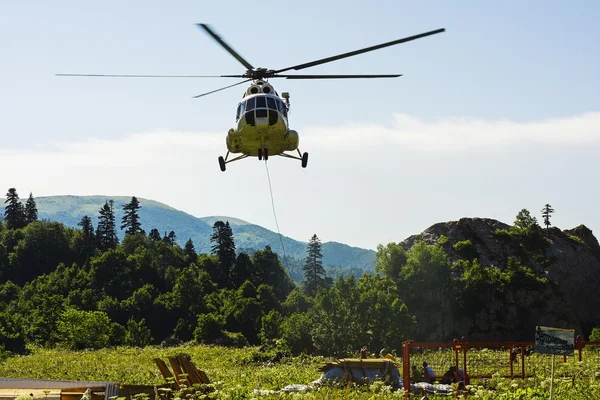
203	377
201	374
177	371
166	373
189	370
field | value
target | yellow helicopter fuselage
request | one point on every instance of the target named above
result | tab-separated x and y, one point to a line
261	124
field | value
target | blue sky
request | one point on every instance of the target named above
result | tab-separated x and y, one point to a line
500	112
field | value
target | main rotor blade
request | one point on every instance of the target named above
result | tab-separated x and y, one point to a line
335	76
356	52
223	88
226	46
152	76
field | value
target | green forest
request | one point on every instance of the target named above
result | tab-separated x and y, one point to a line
85	288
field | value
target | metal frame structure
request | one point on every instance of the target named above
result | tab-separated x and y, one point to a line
461	348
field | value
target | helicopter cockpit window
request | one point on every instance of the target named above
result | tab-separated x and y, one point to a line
260	102
271	103
239	111
250	104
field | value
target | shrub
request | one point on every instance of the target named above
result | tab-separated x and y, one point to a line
295	333
79	329
210	327
296	302
232	339
138	333
576	239
118	334
12	337
271	324
4	354
442	240
503	234
465	249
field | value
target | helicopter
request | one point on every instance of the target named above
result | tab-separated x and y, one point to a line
262	115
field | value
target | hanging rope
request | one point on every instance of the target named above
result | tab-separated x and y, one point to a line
274	213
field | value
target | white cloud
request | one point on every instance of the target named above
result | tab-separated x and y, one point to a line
142	149
365	184
456	133
450	134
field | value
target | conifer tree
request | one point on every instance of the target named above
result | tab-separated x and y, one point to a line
546	211
89	237
189	248
154	234
241	270
14	212
223	246
314	273
31	212
170	238
131	218
106	231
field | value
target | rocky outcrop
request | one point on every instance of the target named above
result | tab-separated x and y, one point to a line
569	259
584	234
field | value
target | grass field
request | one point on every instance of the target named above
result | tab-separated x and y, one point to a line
241	371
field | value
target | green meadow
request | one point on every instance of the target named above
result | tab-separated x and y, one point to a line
239	373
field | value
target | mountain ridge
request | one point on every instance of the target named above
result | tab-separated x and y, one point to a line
69	209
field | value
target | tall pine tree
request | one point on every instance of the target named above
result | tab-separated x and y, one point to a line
223	246
14	212
190	250
314	273
106	231
546	214
88	235
31	211
131	218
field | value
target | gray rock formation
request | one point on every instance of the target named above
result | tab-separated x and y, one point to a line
569	259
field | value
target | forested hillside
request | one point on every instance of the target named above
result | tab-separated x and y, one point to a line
87	288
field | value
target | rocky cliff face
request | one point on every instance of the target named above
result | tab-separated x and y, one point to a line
569	259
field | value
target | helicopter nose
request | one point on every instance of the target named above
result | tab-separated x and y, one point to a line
262	124
262	119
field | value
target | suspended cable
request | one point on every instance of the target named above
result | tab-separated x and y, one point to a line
274	213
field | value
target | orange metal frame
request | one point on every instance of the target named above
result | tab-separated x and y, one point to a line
463	345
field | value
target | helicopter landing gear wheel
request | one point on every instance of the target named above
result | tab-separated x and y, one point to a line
260	154
266	154
304	160
222	163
